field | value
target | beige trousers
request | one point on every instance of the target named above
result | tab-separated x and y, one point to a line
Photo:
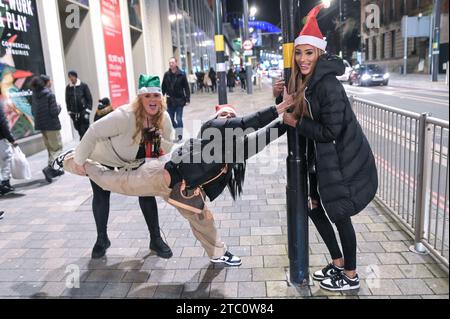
149	180
53	143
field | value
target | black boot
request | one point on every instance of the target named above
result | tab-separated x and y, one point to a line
149	208
6	187
101	246
48	173
56	173
161	248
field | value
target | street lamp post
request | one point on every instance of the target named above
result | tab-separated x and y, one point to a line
297	207
220	53
436	40
248	64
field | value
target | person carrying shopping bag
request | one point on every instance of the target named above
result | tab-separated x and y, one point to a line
6	153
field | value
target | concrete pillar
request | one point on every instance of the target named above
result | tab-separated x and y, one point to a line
52	46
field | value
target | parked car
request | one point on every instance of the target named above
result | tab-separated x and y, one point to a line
348	71
369	74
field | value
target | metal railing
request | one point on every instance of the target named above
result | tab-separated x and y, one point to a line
411	152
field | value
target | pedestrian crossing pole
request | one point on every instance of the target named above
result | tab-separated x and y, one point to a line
297	206
220	54
436	40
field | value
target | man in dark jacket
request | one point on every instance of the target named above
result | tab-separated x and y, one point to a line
46	110
213	77
79	103
6	139
176	87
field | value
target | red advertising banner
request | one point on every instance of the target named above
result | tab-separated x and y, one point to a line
115	53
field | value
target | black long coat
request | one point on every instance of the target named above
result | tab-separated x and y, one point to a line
345	165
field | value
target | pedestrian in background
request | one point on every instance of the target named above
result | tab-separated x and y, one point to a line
6	153
231	80
103	109
176	87
243	79
213	78
192	82
45	111
207	82
79	103
200	77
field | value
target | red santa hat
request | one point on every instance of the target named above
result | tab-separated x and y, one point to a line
311	33
225	108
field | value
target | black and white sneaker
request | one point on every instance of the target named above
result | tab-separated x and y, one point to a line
340	282
327	272
228	259
2	214
58	163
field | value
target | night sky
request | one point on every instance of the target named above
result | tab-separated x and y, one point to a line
269	10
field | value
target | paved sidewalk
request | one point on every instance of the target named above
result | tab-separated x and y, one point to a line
421	81
48	232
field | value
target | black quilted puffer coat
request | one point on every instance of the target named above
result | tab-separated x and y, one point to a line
345	165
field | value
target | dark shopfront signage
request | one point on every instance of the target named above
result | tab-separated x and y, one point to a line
21	58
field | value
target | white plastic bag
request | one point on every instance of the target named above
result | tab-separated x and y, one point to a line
20	167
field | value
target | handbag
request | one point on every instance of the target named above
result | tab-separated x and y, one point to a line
192	198
20	168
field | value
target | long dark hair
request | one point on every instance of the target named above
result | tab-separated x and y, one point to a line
298	84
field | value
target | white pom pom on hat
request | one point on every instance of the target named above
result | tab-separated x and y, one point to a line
225	108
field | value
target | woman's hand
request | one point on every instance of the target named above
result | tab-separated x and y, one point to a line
288	101
80	170
290	120
278	88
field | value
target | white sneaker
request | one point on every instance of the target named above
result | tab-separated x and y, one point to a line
228	259
340	282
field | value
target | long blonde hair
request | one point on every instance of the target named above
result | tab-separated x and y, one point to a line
141	116
298	84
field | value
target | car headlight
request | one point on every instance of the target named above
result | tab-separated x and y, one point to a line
386	76
366	77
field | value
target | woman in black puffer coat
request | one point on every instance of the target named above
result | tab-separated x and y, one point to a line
342	175
46	111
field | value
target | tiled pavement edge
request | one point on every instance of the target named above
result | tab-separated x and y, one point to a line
48	232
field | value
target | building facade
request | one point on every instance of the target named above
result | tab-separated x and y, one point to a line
108	42
385	45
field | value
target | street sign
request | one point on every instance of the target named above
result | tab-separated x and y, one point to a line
416	27
248	52
248	45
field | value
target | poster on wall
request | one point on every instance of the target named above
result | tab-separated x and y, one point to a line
21	57
115	52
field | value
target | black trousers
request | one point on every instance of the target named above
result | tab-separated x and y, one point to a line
101	206
345	229
80	125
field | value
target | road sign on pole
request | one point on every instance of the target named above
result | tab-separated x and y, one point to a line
248	45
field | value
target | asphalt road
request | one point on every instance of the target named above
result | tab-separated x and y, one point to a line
412	98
